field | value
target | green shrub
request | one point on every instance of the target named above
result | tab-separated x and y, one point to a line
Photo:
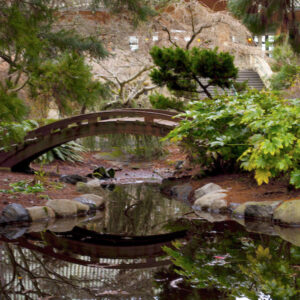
257	131
159	101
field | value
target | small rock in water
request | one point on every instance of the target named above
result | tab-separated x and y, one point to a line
179	164
72	179
14	213
102	173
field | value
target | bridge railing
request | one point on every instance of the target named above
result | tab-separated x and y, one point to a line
148	115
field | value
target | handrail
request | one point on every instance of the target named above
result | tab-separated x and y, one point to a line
149	115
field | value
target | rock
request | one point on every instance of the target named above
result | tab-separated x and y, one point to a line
256	210
13	233
63	225
38	213
93	201
181	192
92	187
291	235
66	207
260	227
179	164
102	173
206	189
211	217
260	210
72	179
38	226
215	201
15	213
288	213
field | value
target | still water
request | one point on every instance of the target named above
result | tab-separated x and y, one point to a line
146	246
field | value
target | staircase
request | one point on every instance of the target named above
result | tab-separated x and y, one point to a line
252	77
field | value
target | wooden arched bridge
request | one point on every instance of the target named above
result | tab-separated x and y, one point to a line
133	121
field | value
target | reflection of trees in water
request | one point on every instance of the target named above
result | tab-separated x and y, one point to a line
26	274
224	261
138	210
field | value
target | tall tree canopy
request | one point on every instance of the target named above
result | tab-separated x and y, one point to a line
30	41
261	16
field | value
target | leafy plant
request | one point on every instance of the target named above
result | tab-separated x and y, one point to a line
257	131
24	187
159	101
66	152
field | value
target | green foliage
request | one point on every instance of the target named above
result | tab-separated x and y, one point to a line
181	70
262	16
67	80
12	133
286	66
24	187
259	130
66	152
12	108
159	101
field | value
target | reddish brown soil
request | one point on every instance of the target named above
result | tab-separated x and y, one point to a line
242	186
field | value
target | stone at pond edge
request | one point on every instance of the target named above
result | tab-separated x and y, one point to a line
14	213
288	213
256	210
72	179
259	227
93	201
206	189
215	201
92	187
66	207
38	213
211	217
291	235
181	192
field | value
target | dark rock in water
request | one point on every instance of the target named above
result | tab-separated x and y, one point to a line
15	213
72	179
181	192
102	173
179	164
111	172
108	186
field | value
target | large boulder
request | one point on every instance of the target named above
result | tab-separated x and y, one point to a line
14	213
93	201
206	189
67	208
38	213
288	213
256	210
214	201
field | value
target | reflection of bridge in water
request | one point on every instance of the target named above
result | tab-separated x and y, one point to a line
130	121
88	259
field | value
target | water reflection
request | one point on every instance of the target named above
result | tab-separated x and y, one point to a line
121	254
222	261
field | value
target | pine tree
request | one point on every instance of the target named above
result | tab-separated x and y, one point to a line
183	70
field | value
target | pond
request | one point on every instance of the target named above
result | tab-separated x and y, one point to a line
146	246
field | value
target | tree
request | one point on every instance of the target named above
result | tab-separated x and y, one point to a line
183	70
30	37
261	16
